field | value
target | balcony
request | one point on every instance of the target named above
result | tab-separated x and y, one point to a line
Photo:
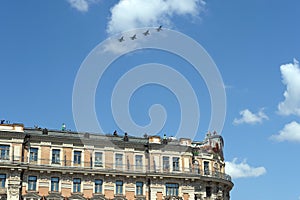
68	166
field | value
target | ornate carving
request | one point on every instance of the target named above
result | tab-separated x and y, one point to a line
13	189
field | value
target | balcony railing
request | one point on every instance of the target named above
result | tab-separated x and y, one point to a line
117	168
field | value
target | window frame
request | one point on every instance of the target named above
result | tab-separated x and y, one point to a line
55	161
119	187
32	183
98	187
176	165
139	166
118	165
206	169
172	189
4	152
101	164
54	187
76	185
36	154
78	161
139	188
2	180
166	163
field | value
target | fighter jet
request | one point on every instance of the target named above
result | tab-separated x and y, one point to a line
121	39
159	28
146	33
133	37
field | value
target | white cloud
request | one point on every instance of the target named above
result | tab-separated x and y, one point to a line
129	14
291	78
290	132
243	169
250	118
81	5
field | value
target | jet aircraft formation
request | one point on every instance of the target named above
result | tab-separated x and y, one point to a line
145	34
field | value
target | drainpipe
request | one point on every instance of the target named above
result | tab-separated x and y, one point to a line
147	152
25	145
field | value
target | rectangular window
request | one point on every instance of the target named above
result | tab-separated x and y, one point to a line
166	163
139	188
98	159
119	160
98	186
77	157
208	191
175	164
119	187
54	184
2	180
32	183
4	152
206	168
33	154
76	185
172	189
55	156
139	162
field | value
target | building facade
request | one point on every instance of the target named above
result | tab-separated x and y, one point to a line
38	164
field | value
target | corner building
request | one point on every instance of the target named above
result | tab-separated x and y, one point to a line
41	164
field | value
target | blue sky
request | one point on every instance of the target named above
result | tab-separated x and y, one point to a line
255	45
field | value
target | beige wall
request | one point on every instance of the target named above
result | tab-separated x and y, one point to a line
68	153
66	192
45	155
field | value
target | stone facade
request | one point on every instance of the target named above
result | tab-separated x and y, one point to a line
45	164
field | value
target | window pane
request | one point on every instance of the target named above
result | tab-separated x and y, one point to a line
2	180
76	184
166	163
119	187
4	152
139	162
77	157
56	156
206	168
33	155
98	159
119	160
139	188
172	189
98	186
176	164
54	184
32	183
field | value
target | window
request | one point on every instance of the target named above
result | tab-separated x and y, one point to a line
33	154
2	180
76	184
208	191
138	162
172	189
119	187
206	168
54	184
4	152
56	156
175	164
32	183
139	188
166	163
77	157
119	160
98	186
98	159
